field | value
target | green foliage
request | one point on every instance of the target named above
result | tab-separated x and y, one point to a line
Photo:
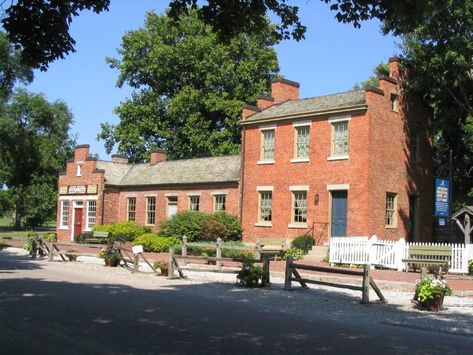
121	231
297	254
431	287
153	243
382	69
110	252
470	267
189	87
31	238
50	237
249	275
304	243
83	236
202	226
6	202
236	254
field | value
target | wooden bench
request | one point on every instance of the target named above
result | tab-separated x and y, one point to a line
98	238
275	246
428	255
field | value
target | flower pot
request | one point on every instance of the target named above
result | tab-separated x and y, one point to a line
72	257
434	304
164	271
112	262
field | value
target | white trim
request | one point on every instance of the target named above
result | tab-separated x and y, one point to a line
264	188
172	195
149	195
336	187
77	205
79	168
213	193
302	124
300	160
64	228
263	224
78	197
190	194
299	188
263	162
297	225
338	157
267	127
339	119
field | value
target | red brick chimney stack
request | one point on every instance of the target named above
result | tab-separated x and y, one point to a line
157	156
119	158
283	90
394	67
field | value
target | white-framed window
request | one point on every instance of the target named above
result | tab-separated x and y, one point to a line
150	210
299	207
131	209
64	214
171	206
339	138
267	144
194	203
79	169
220	203
394	103
302	141
391	206
265	207
91	212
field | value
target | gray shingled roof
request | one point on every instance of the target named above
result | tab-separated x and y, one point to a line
187	171
312	105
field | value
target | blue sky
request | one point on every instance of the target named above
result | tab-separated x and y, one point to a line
332	58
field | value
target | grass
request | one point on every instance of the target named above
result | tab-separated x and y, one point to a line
8	232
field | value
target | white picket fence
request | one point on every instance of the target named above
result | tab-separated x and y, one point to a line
389	253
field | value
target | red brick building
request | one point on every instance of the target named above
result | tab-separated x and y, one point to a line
347	164
355	163
93	191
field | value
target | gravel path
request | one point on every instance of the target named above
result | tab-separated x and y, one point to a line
338	304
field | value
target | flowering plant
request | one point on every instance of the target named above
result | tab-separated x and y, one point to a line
431	287
110	252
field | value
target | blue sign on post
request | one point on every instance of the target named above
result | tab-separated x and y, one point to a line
442	193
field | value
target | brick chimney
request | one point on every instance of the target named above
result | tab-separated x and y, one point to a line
283	90
249	110
394	67
157	156
264	102
81	152
119	158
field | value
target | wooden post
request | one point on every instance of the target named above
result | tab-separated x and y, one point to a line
365	297
219	253
136	263
51	251
288	274
171	263
258	251
266	281
34	249
184	249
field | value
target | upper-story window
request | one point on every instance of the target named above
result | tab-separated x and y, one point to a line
339	146
302	140
394	103
267	144
79	169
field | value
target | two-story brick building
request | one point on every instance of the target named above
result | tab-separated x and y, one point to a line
94	191
347	164
352	163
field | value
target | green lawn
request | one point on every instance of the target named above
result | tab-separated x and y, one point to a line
8	232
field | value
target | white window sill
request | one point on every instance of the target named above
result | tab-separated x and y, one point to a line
339	157
297	225
263	224
64	228
391	227
300	160
264	162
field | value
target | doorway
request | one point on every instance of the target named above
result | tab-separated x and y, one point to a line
77	221
339	214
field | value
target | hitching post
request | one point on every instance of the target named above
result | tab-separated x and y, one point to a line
51	250
265	281
136	263
365	296
219	253
171	263
288	274
184	249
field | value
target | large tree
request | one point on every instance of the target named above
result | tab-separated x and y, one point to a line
189	87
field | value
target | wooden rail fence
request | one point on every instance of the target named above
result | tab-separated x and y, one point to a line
292	274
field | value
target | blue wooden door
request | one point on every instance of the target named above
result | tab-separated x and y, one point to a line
339	214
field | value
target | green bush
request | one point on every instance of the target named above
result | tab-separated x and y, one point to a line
297	254
50	237
202	226
83	236
249	275
304	243
470	267
121	231
236	254
154	243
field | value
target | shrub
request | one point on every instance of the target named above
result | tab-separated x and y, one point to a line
249	275
152	242
121	231
50	237
297	254
470	267
83	236
304	243
237	254
202	226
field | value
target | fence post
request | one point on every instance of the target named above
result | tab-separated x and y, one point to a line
136	263
51	250
219	253
265	281
288	274
400	253
365	296
258	251
171	263
372	249
34	249
184	250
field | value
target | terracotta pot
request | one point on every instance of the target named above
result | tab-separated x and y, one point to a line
164	271
72	257
112	262
434	304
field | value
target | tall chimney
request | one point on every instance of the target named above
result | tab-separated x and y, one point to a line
283	90
119	158
394	67
264	102
157	156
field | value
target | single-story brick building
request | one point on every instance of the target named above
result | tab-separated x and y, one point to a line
352	163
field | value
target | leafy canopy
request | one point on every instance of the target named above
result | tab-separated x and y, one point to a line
189	87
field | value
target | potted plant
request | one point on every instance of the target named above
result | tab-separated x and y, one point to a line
431	291
71	257
163	266
110	254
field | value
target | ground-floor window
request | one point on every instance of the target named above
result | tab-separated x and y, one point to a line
172	206
131	209
194	203
391	209
150	210
91	212
64	213
265	206
219	203
299	207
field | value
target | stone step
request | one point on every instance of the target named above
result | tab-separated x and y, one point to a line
318	253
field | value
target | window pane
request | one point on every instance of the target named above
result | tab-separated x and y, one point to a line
220	201
268	145
340	138
194	203
65	213
302	142
150	210
266	201
91	210
390	209
131	208
300	207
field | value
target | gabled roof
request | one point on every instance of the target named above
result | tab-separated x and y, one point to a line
175	172
346	100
